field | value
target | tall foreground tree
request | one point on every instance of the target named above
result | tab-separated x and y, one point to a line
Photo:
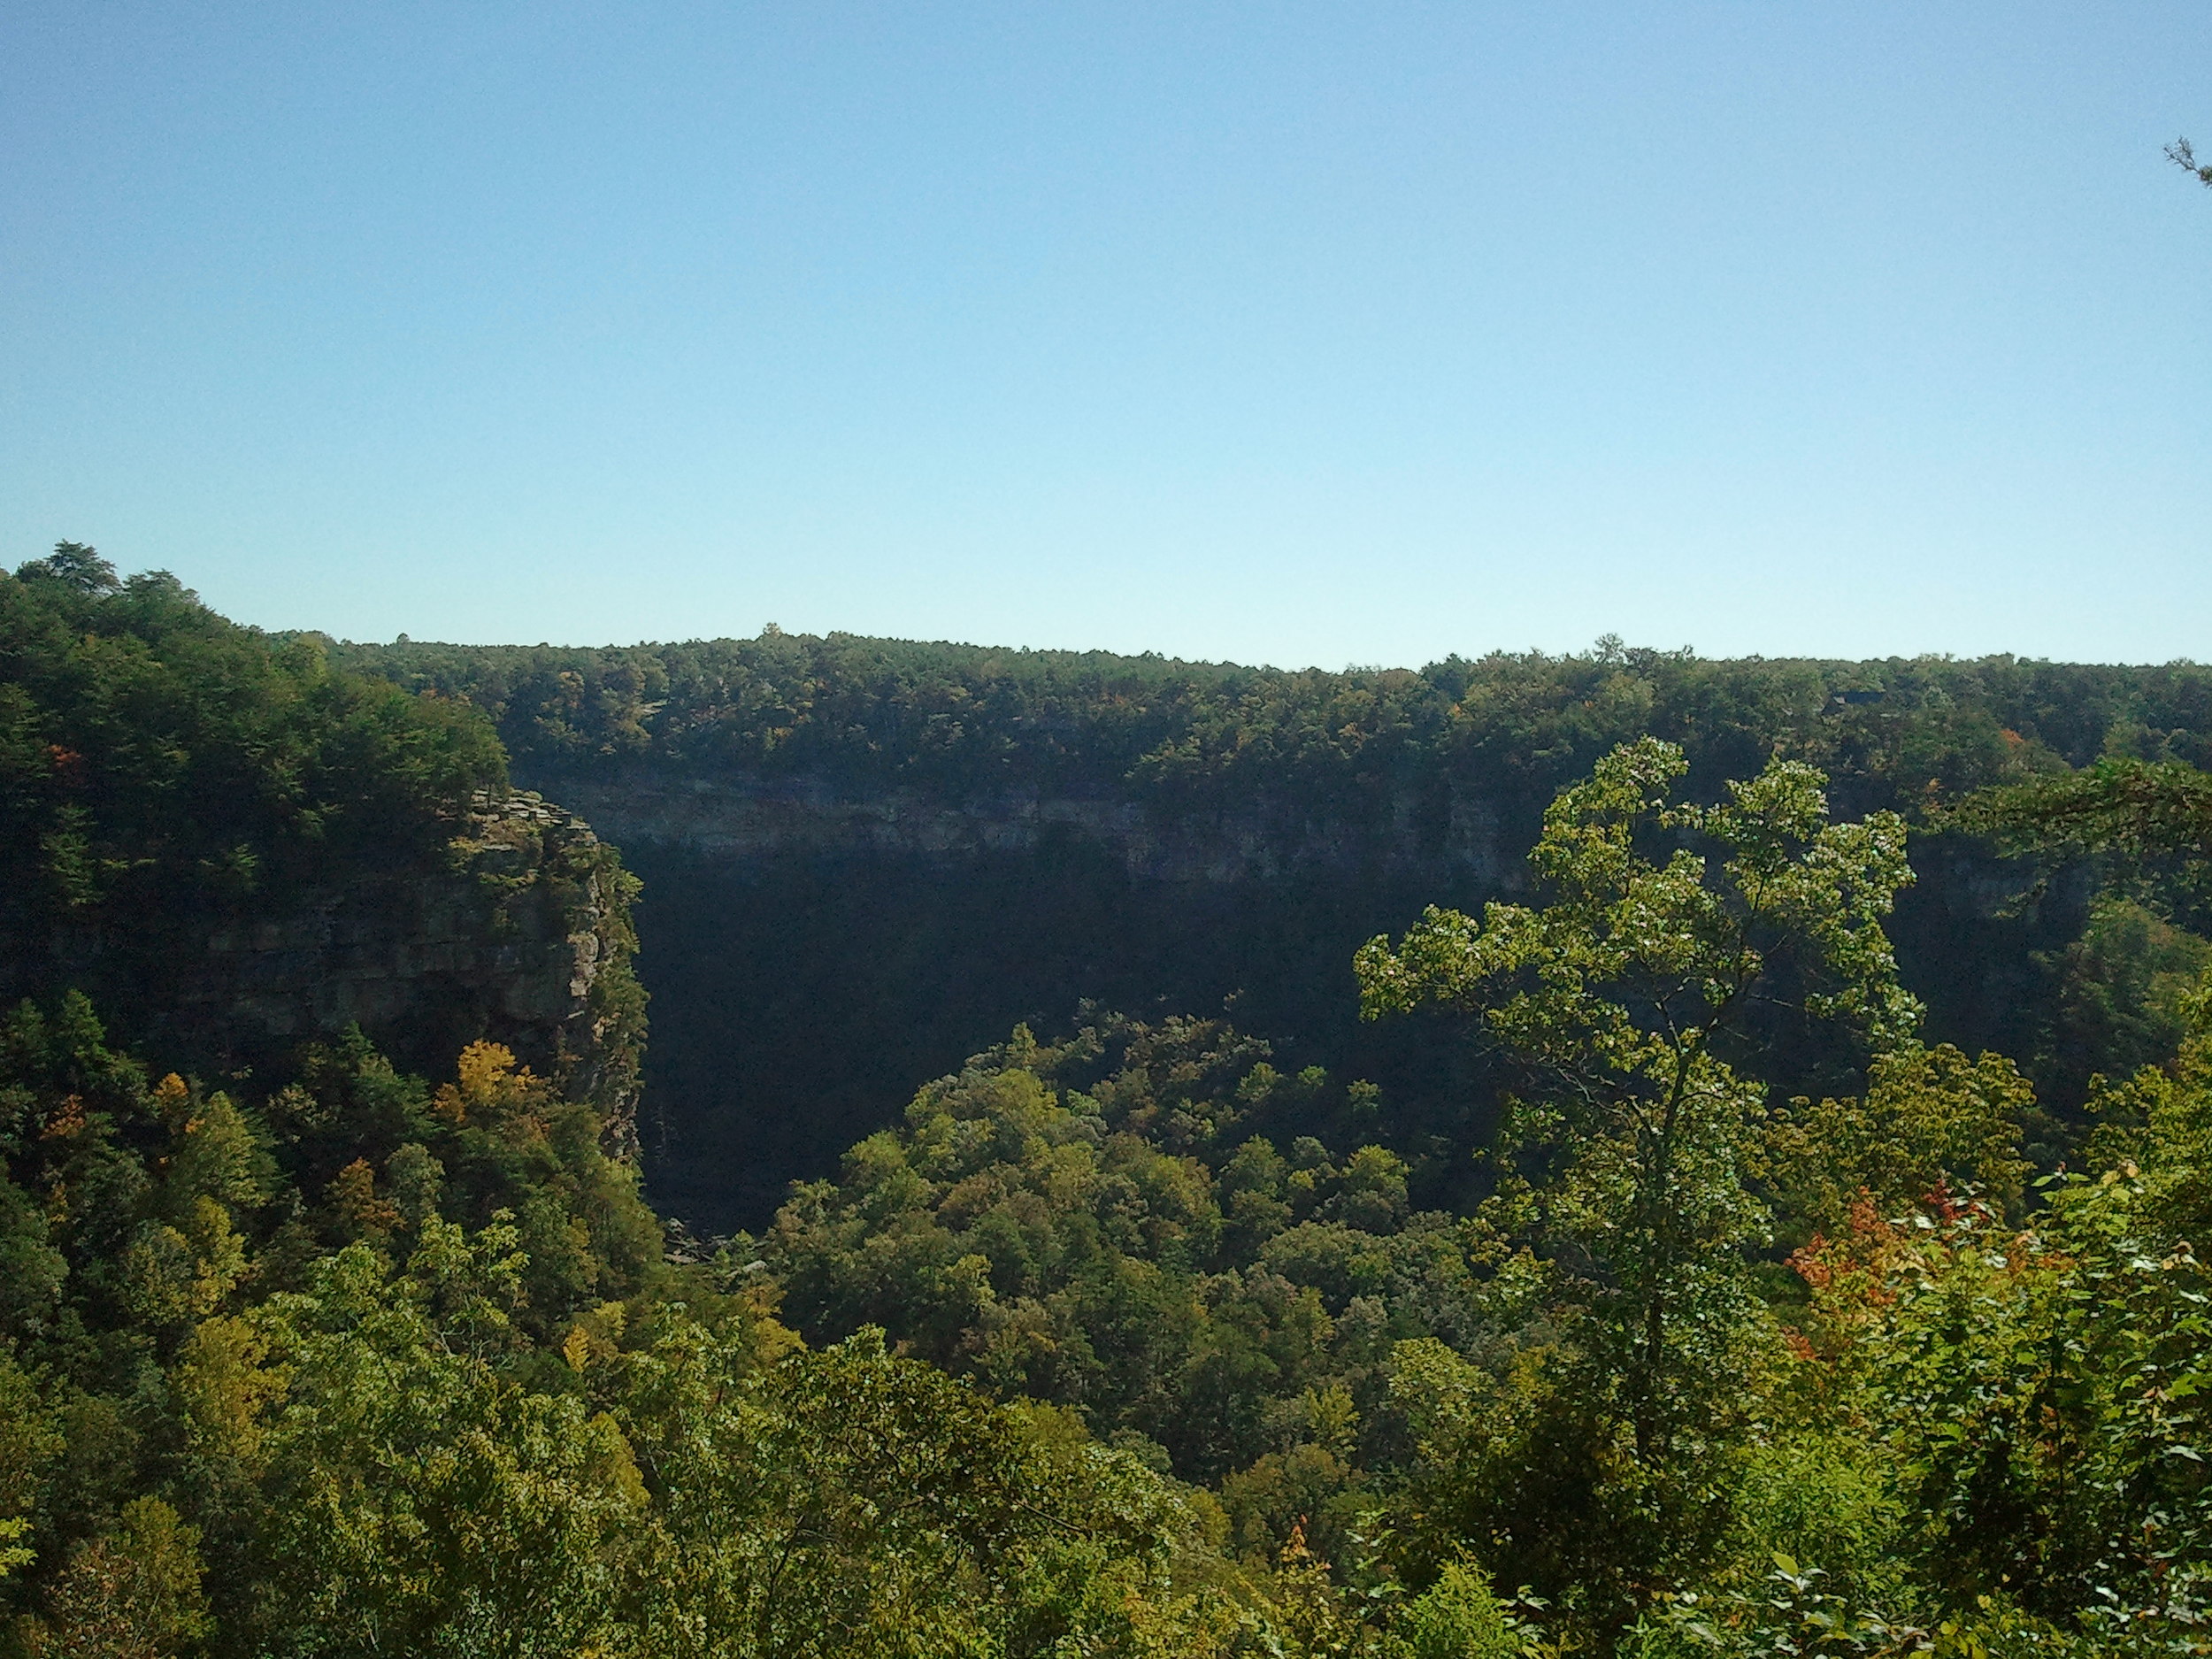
1627	1002
1631	1003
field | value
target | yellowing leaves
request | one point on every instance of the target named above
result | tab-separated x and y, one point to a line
596	1335
488	1078
172	1099
184	1271
226	1384
353	1195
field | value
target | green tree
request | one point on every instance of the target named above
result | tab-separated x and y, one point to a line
1459	1617
2135	811
1631	1001
1626	1001
73	565
1930	1119
1097	1223
414	1499
133	1593
2040	1395
849	1501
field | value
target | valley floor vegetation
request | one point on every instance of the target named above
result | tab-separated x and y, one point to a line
1772	1327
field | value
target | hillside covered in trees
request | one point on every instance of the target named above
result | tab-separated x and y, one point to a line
1705	1296
1168	838
964	720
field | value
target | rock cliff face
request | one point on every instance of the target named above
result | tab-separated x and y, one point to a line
737	819
815	953
520	933
523	938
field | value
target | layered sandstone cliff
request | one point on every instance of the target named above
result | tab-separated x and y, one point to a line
737	818
519	931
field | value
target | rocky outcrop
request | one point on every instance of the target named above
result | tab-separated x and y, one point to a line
737	818
521	934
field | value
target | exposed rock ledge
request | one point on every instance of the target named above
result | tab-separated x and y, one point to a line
742	819
522	936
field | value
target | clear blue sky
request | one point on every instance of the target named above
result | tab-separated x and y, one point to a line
1286	333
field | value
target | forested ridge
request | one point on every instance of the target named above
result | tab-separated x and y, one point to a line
1359	796
1749	1316
961	720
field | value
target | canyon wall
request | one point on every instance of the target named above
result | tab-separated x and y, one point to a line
519	932
741	819
815	955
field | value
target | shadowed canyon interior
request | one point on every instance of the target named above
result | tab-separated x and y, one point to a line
938	842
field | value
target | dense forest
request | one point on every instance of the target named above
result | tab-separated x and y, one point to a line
1710	1296
1347	801
961	720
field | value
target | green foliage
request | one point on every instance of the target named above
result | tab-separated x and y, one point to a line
1101	1224
153	756
1947	1454
447	1398
1970	1417
1624	998
2121	805
156	1232
962	720
1460	1618
166	776
1348	799
848	1501
2121	987
2038	1392
409	1498
133	1591
1131	1343
2149	823
1930	1116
